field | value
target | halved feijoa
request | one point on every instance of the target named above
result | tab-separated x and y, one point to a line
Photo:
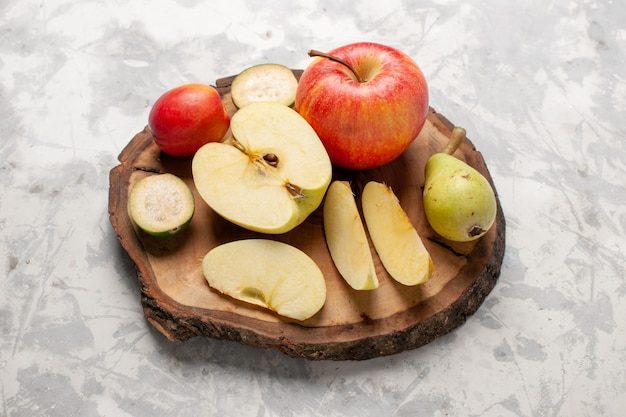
264	82
161	204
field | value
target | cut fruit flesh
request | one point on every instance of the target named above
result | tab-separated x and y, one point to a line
269	274
270	176
396	241
161	205
264	82
346	238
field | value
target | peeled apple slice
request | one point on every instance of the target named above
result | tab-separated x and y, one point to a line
267	273
346	238
264	82
161	205
396	241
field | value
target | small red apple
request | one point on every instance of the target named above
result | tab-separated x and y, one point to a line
367	102
186	117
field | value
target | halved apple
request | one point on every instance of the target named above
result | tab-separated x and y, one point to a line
396	241
270	176
271	274
346	238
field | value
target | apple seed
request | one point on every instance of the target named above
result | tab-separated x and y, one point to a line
294	190
271	159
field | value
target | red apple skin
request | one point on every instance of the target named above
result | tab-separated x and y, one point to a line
364	125
187	117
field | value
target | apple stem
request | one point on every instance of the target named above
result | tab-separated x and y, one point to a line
314	52
456	138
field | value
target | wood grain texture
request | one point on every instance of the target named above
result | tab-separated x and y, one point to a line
352	325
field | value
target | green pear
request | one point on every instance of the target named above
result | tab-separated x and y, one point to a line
459	202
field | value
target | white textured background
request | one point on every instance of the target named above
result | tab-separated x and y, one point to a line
540	87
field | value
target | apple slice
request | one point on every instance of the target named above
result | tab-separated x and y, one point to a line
270	176
264	82
346	238
396	241
267	273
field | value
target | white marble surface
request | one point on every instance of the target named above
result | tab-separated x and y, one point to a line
541	89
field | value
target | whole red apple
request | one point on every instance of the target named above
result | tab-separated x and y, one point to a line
366	101
186	117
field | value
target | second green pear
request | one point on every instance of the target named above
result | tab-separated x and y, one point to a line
459	202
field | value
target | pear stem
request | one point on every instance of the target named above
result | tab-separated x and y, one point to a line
456	138
314	52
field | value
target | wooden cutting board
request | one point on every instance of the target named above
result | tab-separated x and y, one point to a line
352	325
